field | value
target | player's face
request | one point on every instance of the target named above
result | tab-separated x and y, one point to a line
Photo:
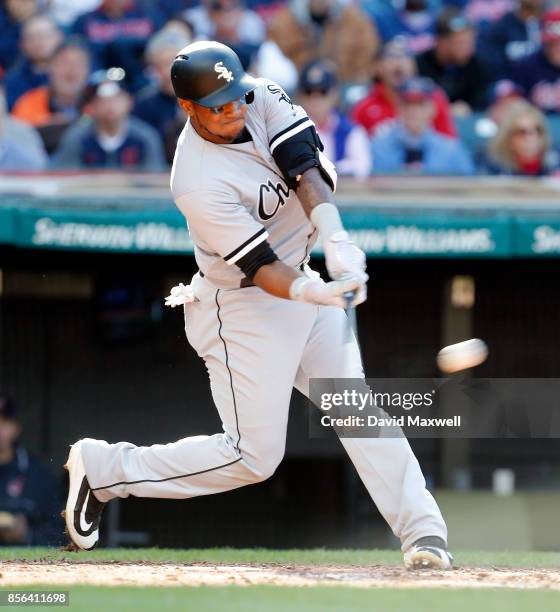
221	124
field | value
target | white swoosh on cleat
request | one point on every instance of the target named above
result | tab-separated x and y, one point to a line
84	525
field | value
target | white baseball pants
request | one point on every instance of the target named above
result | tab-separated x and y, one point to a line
256	348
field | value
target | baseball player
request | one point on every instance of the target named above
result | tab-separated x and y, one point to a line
256	190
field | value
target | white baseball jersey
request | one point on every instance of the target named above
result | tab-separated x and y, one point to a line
255	346
234	196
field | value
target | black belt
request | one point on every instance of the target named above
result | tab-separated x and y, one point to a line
246	281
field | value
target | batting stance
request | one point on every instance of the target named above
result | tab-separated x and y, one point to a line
256	190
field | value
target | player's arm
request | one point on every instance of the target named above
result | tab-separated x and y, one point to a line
226	228
313	177
283	281
312	191
262	266
298	152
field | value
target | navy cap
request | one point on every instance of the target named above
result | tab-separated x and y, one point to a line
505	89
106	83
450	21
7	407
417	89
319	75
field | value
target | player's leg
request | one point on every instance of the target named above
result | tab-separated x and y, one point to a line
387	466
251	343
251	346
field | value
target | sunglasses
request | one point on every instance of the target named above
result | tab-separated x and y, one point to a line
219	7
219	110
528	131
310	92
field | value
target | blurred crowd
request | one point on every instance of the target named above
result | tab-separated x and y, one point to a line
420	87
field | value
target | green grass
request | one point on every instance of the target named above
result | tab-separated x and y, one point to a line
307	599
261	555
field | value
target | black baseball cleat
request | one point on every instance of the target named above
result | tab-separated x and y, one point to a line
428	553
83	509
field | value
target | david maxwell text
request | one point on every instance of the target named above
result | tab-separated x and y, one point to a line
408	420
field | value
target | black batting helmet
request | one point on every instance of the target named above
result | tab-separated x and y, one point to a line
209	74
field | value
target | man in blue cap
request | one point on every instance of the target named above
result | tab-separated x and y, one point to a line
455	65
345	142
410	145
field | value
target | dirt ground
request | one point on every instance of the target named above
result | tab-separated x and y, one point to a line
136	574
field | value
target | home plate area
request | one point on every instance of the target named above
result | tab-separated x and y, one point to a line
17	573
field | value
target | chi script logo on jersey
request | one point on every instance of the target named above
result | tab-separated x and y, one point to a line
273	195
223	72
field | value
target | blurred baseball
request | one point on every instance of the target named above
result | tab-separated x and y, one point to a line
463	355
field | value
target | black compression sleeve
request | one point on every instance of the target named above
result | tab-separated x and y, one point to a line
299	153
261	255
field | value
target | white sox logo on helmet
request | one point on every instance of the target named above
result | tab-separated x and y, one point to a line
223	72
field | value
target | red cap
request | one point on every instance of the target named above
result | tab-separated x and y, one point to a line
551	25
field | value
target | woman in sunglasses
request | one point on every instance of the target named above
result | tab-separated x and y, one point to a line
522	145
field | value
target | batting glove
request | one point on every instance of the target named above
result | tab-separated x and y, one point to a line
348	291
343	257
180	295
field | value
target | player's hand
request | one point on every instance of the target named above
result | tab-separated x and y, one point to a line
333	293
343	257
180	295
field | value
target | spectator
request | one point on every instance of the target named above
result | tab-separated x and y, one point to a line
393	68
111	138
346	143
503	94
483	13
409	145
117	33
538	75
513	37
454	65
53	107
522	145
157	104
29	504
65	12
172	8
178	25
40	37
266	9
272	64
329	29
12	14
476	131
21	148
229	22
412	21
